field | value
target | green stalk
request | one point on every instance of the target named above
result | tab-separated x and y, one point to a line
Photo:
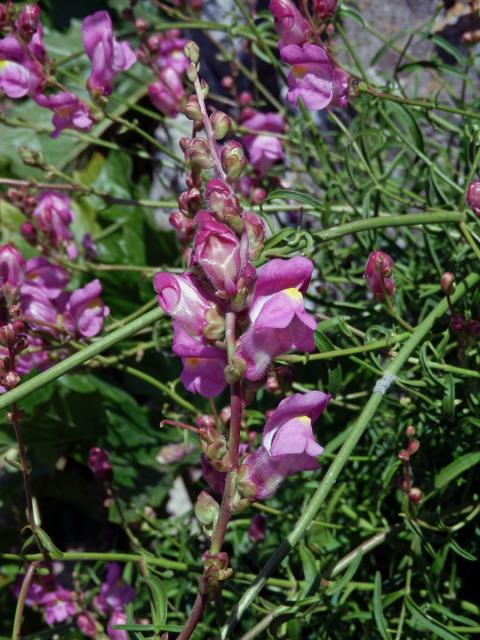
77	359
343	455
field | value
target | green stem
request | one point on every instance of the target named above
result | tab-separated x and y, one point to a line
77	359
22	596
469	239
343	455
141	375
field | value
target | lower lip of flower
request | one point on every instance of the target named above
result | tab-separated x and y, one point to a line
293	293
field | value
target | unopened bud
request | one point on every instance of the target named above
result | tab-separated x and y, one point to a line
225	415
192	72
447	283
457	322
192	108
154	41
324	9
227	82
27	22
141	25
7	334
198	154
473	197
205	422
413	446
255	229
31	157
206	511
11	379
245	98
410	431
404	455
192	52
234	371
204	89
233	160
21	343
29	233
221	125
415	495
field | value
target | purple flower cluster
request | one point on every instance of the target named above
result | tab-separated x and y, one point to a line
26	70
58	604
315	77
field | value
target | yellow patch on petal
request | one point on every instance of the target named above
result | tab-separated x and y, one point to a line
305	419
192	362
298	70
3	64
295	294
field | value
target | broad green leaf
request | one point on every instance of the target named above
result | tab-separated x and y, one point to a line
456	468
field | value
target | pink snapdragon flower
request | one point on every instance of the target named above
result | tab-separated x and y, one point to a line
291	26
117	618
170	52
221	255
115	593
203	364
12	267
38	308
378	274
85	311
288	445
59	605
50	277
184	299
107	55
22	73
87	624
314	77
167	93
264	150
54	216
473	197
278	320
69	112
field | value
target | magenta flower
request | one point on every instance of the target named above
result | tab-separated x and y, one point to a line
473	197
378	275
117	618
264	150
203	364
291	26
38	308
59	605
107	55
87	624
12	266
115	593
288	445
85	311
184	299
278	320
22	67
167	93
54	217
314	77
256	530
223	258
170	52
99	463
51	278
69	112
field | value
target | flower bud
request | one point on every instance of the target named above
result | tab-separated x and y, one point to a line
473	328
141	25
221	125
11	379
410	431
221	200
404	455
216	569
192	52
192	73
154	41
171	453
225	415
377	274
413	446
215	325
447	283
255	229
192	108
233	160
198	154
415	495
183	225
206	511
190	201
234	371
29	233
12	267
21	343
227	82
205	422
28	21
324	9
256	530
245	98
99	463
473	197
457	322
31	157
